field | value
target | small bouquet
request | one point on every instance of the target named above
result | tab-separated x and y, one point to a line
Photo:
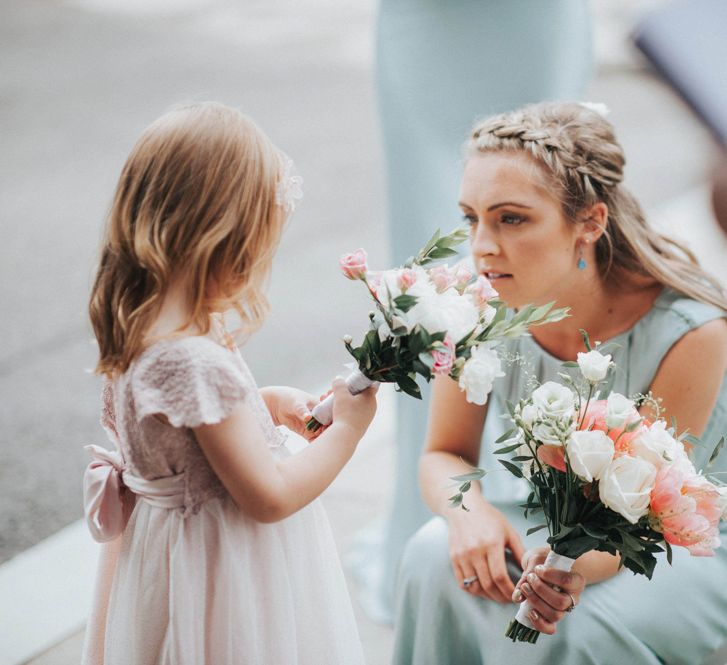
429	322
605	478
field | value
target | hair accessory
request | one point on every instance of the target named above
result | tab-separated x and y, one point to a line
289	190
596	107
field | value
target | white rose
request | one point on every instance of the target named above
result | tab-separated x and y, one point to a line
479	372
594	365
554	400
546	433
625	486
529	414
619	411
387	283
423	286
589	453
488	314
444	312
656	445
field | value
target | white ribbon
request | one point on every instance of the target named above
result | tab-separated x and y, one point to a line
356	383
553	560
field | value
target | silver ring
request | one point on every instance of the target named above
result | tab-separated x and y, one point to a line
572	602
469	581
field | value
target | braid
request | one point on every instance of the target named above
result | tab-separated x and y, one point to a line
583	161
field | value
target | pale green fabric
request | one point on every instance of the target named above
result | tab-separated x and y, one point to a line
679	617
440	66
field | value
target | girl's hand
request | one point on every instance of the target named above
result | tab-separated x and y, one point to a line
551	592
477	542
290	407
353	411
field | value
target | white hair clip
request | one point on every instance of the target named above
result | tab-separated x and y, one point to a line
596	107
289	190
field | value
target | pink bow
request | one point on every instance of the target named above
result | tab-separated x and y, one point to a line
102	500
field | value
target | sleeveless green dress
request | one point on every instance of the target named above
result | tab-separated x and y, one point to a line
679	617
440	66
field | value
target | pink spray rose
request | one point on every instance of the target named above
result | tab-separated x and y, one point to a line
441	277
481	291
444	357
353	265
686	509
462	277
407	278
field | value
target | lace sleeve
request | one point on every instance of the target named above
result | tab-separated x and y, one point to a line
108	413
192	381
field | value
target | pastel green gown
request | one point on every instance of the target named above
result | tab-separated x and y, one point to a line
678	618
442	65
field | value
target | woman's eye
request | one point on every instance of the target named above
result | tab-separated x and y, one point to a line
469	219
511	219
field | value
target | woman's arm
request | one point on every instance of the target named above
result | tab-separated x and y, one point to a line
477	537
690	376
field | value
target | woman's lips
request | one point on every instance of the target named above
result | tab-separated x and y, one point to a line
496	276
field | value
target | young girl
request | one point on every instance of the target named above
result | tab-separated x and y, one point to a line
217	551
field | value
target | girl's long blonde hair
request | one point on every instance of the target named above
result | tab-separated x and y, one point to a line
578	151
196	201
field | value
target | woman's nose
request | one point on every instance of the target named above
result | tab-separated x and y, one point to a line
483	241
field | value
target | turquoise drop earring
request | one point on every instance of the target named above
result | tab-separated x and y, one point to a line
581	260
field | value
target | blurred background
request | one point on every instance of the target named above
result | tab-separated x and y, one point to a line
79	80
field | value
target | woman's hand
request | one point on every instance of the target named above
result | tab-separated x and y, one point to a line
290	407
551	592
477	542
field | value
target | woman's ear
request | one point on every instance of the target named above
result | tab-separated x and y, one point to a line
592	222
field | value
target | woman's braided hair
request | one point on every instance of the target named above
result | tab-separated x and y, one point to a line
577	149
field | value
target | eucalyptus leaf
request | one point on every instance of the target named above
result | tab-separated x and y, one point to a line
512	468
715	452
533	529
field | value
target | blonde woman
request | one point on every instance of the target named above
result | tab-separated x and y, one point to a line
217	550
551	220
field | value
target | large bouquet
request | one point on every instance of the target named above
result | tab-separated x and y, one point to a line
604	477
429	322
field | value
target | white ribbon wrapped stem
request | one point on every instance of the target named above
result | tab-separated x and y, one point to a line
553	560
356	383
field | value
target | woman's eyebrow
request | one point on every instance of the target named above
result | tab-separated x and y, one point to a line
508	203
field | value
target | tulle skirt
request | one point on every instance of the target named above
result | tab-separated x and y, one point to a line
218	587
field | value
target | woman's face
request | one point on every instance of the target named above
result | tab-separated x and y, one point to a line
521	241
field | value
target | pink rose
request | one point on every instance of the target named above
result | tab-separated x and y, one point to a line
462	277
686	509
444	357
407	278
441	277
354	265
481	291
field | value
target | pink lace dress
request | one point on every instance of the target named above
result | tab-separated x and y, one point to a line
192	580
